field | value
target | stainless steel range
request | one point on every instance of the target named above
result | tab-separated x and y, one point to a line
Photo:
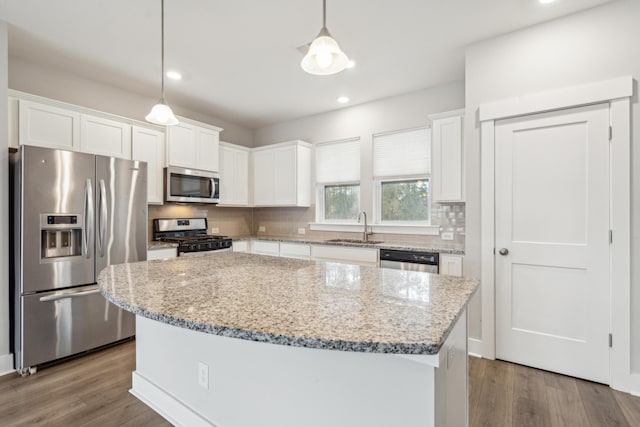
190	234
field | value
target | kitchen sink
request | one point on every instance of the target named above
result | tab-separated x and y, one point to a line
370	242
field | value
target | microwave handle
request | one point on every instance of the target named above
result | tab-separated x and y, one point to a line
213	187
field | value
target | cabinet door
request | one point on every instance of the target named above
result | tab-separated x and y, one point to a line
234	176
207	149
47	126
450	265
284	165
447	161
182	146
263	178
105	137
148	145
13	105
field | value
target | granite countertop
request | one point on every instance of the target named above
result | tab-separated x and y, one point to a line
294	302
411	246
160	245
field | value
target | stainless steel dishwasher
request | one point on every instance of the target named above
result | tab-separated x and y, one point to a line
409	260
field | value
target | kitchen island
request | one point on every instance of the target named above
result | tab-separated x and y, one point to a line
245	340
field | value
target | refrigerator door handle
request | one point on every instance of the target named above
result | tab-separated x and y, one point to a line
87	238
62	295
102	219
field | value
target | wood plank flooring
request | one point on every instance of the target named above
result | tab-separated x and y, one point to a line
88	391
505	394
93	391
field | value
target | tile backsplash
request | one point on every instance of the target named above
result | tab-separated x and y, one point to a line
285	222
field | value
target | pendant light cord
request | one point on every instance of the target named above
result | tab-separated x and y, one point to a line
324	13
162	47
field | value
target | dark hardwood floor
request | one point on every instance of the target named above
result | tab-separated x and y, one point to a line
505	394
87	391
93	391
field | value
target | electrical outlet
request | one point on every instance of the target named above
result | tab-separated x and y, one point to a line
301	230
262	228
215	230
203	375
446	235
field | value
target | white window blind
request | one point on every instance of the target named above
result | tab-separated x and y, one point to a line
402	153
338	161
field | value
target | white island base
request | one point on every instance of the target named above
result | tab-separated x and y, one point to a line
253	384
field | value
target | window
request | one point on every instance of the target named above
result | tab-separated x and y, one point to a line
338	181
406	200
401	169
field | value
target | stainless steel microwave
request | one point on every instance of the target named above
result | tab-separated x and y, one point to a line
191	186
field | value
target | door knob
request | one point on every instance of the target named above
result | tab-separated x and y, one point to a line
503	251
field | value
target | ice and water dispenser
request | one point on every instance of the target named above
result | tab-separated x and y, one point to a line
61	236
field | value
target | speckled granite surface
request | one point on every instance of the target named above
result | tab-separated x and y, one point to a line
293	302
160	245
383	245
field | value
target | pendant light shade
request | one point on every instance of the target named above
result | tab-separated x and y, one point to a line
324	56
161	114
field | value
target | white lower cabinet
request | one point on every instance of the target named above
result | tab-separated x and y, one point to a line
450	265
162	253
241	246
147	145
265	247
295	250
350	255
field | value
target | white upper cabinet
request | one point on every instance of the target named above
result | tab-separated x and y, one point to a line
447	157
148	145
193	146
14	141
47	126
234	175
105	137
281	174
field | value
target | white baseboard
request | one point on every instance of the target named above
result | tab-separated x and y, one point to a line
173	410
6	364
474	347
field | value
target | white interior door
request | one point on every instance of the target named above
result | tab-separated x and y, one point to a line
552	241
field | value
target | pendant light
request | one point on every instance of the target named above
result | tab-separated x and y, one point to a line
161	114
324	56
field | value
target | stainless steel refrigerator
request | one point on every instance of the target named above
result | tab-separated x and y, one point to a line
73	214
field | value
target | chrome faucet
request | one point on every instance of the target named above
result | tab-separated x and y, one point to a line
365	234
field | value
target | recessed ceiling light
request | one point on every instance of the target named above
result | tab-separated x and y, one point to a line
343	99
545	1
174	75
351	63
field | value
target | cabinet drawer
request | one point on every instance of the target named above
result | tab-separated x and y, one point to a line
295	250
163	253
265	247
349	255
241	246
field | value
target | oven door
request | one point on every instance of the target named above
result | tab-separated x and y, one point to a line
191	185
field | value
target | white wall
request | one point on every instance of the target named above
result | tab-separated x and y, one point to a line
63	86
594	45
6	359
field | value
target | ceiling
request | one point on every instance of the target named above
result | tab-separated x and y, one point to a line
239	58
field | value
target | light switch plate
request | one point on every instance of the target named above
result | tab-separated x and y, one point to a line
215	230
446	235
301	231
262	228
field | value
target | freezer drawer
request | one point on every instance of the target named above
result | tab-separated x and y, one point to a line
61	323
